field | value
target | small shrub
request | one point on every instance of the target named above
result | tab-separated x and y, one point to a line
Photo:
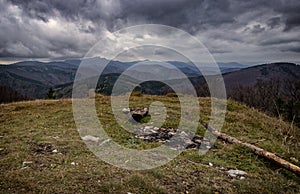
136	93
173	95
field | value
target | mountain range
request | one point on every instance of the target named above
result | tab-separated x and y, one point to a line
33	79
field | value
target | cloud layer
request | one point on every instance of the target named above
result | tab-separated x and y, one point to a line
256	30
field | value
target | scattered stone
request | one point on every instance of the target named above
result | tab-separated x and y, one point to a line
126	110
236	173
174	138
25	167
27	162
148	127
294	159
206	143
210	164
55	151
90	138
74	163
104	142
242	177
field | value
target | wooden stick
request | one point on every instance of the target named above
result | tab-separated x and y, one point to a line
259	151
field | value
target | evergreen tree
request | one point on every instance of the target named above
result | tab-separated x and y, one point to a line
51	94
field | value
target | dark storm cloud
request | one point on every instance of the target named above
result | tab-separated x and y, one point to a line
190	15
292	49
296	49
177	13
273	22
290	14
276	41
57	28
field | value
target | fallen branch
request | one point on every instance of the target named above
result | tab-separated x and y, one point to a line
259	151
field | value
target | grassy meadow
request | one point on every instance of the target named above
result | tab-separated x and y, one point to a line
41	152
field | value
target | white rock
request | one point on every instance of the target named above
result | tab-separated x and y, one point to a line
210	164
172	133
105	141
24	168
156	128
242	177
235	173
90	138
184	134
74	163
148	127
188	142
153	131
126	110
55	151
27	162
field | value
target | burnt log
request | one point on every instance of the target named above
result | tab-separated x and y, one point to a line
139	114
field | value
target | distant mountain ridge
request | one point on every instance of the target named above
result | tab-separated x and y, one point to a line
250	75
32	79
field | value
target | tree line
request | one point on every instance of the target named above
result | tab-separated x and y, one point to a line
10	95
275	97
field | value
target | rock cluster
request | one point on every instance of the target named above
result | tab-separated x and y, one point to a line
237	173
174	138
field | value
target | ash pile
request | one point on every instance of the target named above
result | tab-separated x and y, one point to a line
174	138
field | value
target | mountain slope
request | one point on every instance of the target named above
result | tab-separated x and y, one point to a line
33	79
250	75
32	130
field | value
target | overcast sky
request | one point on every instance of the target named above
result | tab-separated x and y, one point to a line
241	31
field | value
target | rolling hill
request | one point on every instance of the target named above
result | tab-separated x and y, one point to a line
250	75
41	152
33	79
